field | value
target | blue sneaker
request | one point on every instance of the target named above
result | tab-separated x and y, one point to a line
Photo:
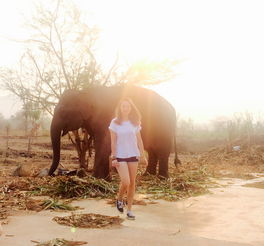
130	215
120	206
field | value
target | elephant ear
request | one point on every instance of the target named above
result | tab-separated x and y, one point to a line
64	112
87	111
67	113
71	118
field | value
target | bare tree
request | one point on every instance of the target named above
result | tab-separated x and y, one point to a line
145	72
61	54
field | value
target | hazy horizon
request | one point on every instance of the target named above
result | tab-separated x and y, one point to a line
220	44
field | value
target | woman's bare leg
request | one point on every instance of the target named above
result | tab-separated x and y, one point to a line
132	168
125	179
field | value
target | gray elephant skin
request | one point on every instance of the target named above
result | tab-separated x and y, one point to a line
93	109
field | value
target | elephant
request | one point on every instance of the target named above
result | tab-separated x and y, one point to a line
93	109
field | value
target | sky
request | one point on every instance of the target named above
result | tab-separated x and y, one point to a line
220	44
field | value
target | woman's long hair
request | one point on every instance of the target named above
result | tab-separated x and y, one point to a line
134	115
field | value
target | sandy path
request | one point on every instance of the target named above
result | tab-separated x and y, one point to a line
230	216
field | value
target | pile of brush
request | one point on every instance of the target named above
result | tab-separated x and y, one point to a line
73	186
59	242
89	220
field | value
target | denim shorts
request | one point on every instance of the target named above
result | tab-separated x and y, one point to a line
129	159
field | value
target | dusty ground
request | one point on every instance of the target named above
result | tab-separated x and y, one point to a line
39	156
230	215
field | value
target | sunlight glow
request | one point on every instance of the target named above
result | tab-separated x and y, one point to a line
221	43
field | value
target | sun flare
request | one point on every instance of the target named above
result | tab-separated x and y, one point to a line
222	58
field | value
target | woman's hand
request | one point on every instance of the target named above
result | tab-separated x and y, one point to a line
115	163
144	160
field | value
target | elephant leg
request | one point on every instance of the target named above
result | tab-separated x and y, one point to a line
101	160
101	167
152	163
163	165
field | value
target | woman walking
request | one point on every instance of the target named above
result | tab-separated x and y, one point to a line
126	148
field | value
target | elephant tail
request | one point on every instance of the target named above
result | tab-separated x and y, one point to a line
176	159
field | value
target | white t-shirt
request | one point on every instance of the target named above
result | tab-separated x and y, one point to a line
126	143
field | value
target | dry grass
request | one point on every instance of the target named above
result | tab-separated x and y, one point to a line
221	162
16	192
59	242
191	179
89	220
181	184
259	185
52	204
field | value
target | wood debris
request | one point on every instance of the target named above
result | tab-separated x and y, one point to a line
90	220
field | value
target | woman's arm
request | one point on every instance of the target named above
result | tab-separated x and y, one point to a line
141	148
140	144
113	142
113	148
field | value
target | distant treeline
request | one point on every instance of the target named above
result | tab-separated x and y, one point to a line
242	129
22	124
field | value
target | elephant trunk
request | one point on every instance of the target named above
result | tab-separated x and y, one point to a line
55	133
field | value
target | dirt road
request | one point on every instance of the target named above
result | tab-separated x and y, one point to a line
231	216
